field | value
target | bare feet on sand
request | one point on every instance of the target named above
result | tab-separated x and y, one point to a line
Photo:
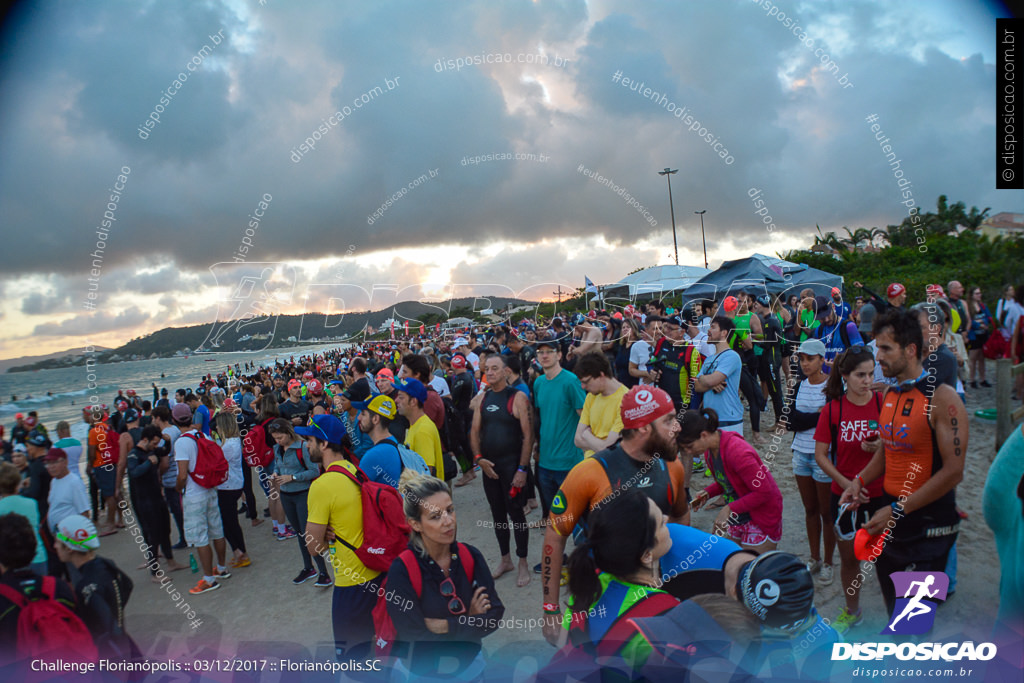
503	567
465	478
524	574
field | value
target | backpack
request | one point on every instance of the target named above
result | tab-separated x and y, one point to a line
581	656
408	458
255	449
46	627
302	461
211	465
383	627
383	522
844	334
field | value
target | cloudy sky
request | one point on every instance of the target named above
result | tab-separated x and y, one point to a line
389	91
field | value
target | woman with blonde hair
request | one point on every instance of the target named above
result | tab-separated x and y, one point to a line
225	427
457	604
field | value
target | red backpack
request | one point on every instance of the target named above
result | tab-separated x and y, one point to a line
211	465
383	522
255	449
47	628
383	627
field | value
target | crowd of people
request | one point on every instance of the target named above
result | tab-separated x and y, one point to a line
603	421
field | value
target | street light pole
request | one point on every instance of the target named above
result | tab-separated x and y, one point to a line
668	173
701	213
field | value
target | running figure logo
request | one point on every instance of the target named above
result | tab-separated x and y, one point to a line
915	611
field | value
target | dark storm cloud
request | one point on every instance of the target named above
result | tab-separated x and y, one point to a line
84	77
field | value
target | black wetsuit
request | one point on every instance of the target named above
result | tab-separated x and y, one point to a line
501	442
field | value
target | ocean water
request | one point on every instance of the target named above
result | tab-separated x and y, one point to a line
70	387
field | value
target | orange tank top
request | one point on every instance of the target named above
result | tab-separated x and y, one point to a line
910	448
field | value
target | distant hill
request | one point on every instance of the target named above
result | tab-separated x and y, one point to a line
275	331
13	363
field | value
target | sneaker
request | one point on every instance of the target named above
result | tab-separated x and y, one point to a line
323	581
266	512
221	574
985	383
974	384
698	465
239	563
825	575
286	534
203	587
813	566
536	568
180	545
707	472
304	576
847	620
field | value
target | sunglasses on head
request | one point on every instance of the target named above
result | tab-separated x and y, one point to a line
312	423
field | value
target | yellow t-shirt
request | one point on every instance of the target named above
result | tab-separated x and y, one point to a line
423	438
334	501
603	414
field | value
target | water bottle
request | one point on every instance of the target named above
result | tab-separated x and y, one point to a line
192	563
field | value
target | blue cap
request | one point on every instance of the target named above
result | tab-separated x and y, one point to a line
413	387
324	427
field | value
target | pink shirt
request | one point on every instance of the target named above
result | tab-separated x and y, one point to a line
756	490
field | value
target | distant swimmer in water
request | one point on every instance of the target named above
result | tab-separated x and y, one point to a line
49	393
161	374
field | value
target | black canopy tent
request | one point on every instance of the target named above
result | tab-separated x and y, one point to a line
754	275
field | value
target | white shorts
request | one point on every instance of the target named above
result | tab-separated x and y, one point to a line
202	518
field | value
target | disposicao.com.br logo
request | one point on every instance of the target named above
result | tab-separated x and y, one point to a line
914	613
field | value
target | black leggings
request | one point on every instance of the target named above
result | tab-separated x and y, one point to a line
250	499
227	500
769	368
504	508
752	391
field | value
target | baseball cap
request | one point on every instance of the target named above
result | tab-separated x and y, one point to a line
643	405
550	343
895	289
675	320
55	454
413	387
380	404
730	304
459	362
823	306
777	588
812	347
78	533
325	427
359	391
37	439
181	411
460	341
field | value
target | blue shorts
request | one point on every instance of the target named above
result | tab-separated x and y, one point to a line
106	479
804	465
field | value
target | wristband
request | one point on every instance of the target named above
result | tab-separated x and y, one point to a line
857	476
551	608
477	457
896	506
521	468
